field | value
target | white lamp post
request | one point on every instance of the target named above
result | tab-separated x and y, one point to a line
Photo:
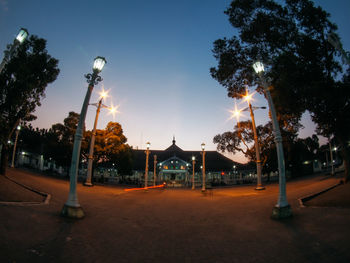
154	169
146	168
203	167
92	142
193	163
282	209
72	207
257	147
21	36
14	147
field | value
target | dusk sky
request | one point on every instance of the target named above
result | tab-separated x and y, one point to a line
158	59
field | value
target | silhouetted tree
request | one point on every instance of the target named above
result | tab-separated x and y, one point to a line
301	66
22	85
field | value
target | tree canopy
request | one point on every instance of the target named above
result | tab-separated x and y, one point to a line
302	67
23	81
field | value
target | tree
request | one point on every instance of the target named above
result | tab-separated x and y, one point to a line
242	140
110	147
300	64
23	82
61	139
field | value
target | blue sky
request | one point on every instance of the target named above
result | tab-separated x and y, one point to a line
158	58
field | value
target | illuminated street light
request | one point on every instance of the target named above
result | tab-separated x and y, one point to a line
147	152
21	36
103	94
72	207
193	163
14	147
203	167
282	209
248	98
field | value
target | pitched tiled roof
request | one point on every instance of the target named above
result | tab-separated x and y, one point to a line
214	161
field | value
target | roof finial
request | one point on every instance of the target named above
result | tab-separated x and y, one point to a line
174	140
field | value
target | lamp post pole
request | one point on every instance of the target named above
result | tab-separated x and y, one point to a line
154	169
72	207
203	168
146	168
92	145
21	36
193	163
257	150
282	209
331	155
14	147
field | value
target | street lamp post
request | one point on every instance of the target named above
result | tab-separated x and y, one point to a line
154	169
14	147
203	168
103	95
146	168
282	209
193	163
257	147
72	207
331	155
21	36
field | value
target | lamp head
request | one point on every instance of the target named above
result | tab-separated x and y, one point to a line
22	35
18	127
99	63
193	158
148	145
258	67
203	146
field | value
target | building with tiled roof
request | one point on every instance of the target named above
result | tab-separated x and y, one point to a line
175	164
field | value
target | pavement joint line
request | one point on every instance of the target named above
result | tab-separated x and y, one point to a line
311	196
15	203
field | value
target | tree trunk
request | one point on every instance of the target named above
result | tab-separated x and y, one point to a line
4	159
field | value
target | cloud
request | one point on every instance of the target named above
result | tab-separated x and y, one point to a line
4	5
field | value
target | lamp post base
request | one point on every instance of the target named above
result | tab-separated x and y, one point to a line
88	184
260	188
72	212
281	212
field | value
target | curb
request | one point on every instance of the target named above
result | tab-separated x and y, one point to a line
14	203
309	197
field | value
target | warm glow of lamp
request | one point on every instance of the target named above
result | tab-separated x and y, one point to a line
22	35
203	146
193	158
258	67
99	63
148	144
104	93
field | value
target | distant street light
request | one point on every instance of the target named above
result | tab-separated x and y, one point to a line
103	95
193	163
21	36
147	152
203	167
72	207
282	208
154	169
14	147
248	97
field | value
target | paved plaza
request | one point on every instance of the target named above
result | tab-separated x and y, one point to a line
229	224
